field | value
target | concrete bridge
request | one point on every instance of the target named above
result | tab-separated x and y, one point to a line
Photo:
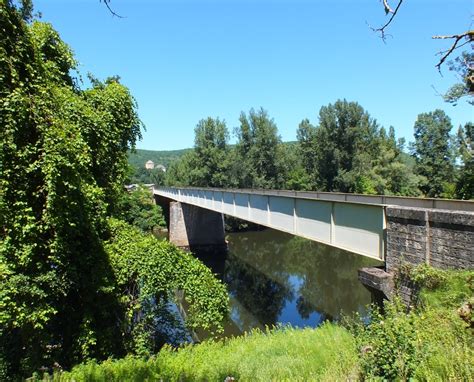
438	232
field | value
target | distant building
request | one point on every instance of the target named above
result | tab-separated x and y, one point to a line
149	165
161	167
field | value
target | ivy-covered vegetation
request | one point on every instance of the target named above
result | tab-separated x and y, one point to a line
432	342
65	295
147	271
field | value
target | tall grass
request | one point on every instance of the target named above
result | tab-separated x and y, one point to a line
324	354
429	343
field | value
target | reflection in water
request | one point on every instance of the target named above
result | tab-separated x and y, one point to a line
276	278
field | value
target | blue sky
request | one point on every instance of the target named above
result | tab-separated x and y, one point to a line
185	60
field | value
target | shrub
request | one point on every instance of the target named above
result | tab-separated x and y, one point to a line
430	342
148	272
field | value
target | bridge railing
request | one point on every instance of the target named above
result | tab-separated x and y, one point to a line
355	227
402	201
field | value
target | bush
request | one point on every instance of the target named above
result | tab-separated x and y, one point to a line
138	209
430	342
148	272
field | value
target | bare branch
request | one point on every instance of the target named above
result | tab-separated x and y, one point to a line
387	7
469	36
388	10
106	2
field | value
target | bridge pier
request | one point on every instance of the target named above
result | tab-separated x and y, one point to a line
392	229
196	229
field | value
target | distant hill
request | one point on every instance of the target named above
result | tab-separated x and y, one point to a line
137	159
165	157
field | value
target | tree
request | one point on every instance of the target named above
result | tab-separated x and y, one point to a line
345	144
211	154
433	152
349	152
307	151
463	66
208	164
138	209
393	167
52	209
259	154
465	183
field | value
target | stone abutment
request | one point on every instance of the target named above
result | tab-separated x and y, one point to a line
443	239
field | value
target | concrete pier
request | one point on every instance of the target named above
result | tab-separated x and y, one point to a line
196	229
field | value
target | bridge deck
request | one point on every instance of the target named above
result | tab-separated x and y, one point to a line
352	222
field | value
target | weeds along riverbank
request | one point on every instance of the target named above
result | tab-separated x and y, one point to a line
433	341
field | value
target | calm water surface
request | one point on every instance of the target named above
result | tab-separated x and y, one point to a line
276	278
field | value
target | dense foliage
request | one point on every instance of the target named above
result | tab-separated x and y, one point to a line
433	152
138	209
462	65
147	271
348	151
63	164
434	341
62	155
465	182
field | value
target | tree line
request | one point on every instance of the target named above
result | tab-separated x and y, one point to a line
346	151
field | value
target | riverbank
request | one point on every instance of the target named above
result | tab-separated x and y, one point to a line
431	342
285	354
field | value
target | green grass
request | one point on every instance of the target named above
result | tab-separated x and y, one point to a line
324	354
429	343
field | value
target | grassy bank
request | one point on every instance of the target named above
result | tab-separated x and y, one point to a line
433	342
327	354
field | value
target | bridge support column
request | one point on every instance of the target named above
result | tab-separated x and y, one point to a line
195	228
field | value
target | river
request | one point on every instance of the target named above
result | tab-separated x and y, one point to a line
275	278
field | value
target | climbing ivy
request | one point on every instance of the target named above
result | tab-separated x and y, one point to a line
62	155
74	286
148	273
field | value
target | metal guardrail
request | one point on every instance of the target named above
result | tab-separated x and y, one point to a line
383	200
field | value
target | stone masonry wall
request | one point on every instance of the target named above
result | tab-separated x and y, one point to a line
443	239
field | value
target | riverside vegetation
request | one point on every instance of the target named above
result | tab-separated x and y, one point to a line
75	283
79	284
431	342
